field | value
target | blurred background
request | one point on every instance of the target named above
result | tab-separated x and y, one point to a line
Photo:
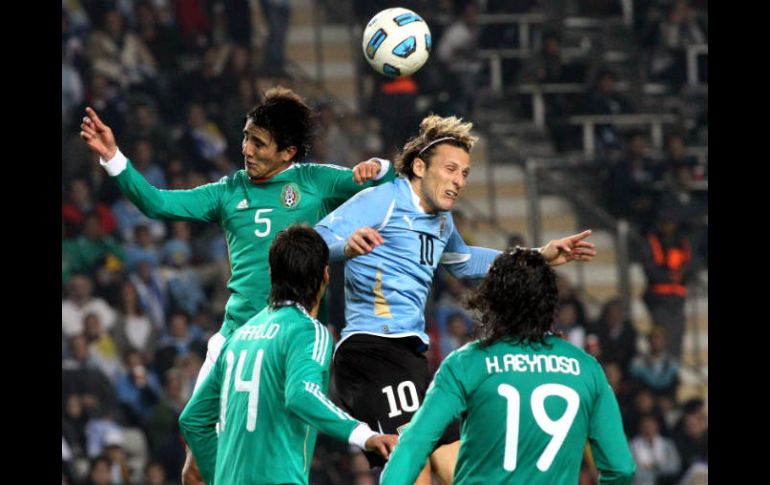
590	113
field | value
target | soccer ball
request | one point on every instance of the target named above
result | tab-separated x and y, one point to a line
396	42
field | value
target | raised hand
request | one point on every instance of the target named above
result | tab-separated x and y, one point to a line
570	248
97	135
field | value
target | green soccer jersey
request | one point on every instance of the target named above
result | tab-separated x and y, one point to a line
527	413
250	214
267	394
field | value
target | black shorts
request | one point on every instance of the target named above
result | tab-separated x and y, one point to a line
382	381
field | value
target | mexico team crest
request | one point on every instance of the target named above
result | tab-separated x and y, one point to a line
290	196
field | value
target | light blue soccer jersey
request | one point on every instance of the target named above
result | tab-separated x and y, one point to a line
386	290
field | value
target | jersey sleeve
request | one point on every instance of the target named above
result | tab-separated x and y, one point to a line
308	357
609	447
369	208
464	261
337	182
444	402
198	422
198	204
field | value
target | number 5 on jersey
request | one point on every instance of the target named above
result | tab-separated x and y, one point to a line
262	220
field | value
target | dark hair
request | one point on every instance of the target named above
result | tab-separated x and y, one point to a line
298	257
288	119
517	299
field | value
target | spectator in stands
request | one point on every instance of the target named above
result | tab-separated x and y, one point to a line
72	89
151	288
129	217
691	434
603	99
642	403
566	323
106	98
95	253
80	303
142	248
568	296
79	203
394	103
194	24
203	141
204	86
113	450
676	153
667	265
617	336
622	389
184	285
133	328
180	340
144	124
656	457
163	429
73	425
99	472
144	160
658	370
631	181
102	348
680	29
277	14
688	207
119	54
332	137
160	39
103	191
456	334
457	51
81	376
549	67
154	474
138	390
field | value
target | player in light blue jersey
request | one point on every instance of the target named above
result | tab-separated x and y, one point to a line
394	237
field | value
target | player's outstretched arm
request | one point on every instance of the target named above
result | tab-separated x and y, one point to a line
97	135
570	248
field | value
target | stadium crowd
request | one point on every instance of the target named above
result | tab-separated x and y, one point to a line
141	297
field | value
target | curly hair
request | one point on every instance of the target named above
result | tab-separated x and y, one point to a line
288	119
432	128
517	299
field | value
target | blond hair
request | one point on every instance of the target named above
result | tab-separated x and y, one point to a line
450	130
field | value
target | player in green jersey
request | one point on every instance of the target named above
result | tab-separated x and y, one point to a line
266	392
251	205
529	399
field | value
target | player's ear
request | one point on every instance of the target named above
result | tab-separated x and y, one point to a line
326	274
418	167
288	153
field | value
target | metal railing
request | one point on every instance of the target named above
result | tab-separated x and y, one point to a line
654	120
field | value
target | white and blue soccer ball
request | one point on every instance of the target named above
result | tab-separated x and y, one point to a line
396	42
